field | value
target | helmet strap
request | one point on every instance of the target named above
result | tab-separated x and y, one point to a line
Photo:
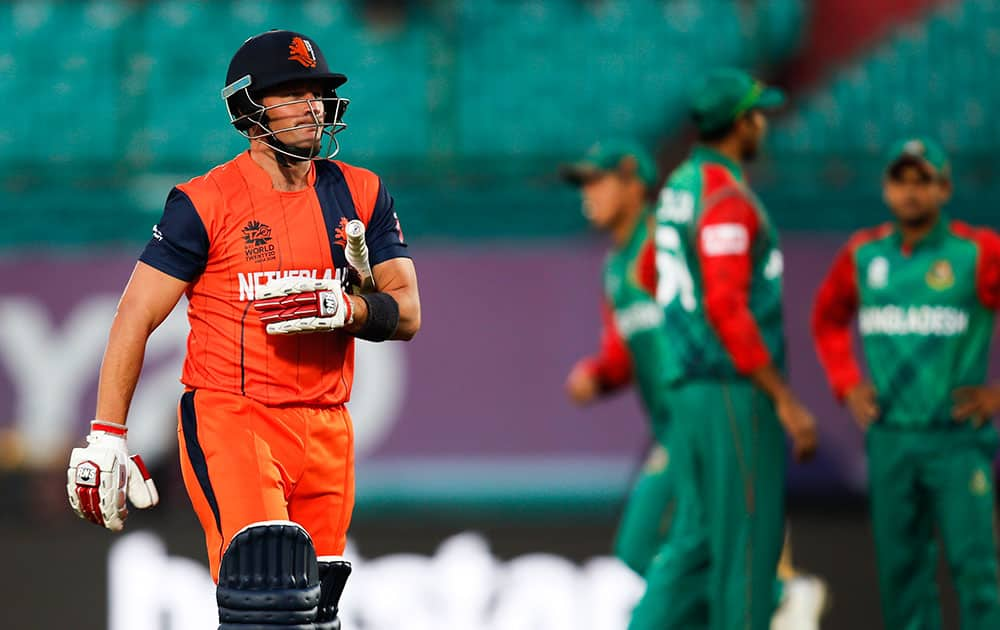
281	150
281	155
285	154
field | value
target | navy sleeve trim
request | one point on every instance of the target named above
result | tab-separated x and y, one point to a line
384	234
179	246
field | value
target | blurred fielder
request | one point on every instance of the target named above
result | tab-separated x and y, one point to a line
719	284
257	246
926	289
615	179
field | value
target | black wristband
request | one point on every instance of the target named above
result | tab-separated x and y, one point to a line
383	317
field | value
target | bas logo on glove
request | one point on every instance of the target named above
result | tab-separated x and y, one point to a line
87	474
300	305
101	476
328	302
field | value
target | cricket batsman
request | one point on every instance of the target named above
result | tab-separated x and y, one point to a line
615	179
719	274
258	247
925	289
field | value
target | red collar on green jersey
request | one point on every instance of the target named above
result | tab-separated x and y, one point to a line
938	233
705	153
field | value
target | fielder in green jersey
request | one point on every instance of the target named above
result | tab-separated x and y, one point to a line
925	289
615	178
635	347
719	273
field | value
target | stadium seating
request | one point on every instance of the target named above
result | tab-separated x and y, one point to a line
932	77
460	106
929	78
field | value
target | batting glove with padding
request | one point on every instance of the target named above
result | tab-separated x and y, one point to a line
302	305
101	475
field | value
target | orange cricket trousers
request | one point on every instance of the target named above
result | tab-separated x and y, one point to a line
244	462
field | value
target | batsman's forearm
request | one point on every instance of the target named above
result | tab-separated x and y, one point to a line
120	368
397	279
359	310
409	314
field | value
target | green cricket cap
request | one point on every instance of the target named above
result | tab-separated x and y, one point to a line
921	151
607	156
725	94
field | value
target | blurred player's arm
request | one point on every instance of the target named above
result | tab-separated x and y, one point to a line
725	236
981	402
610	369
833	311
606	371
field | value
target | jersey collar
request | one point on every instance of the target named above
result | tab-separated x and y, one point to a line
638	233
705	153
257	177
937	234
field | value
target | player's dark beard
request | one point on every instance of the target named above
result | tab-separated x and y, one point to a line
298	154
924	219
750	151
301	154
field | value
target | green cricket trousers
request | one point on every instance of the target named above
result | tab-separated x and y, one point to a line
920	479
717	569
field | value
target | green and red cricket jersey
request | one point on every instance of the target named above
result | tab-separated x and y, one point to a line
719	271
925	315
634	344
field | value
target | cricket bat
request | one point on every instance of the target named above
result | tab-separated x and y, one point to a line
356	252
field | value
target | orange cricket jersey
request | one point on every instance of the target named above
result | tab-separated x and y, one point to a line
227	233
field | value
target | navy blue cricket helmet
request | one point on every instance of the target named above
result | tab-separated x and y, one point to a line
267	61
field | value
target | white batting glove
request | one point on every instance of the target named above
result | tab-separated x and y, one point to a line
102	474
302	305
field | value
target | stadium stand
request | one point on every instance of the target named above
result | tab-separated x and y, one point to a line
930	77
464	108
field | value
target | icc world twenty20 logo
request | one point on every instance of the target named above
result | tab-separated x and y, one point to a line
257	242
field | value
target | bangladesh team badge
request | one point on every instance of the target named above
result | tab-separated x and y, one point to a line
979	485
657	461
940	276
